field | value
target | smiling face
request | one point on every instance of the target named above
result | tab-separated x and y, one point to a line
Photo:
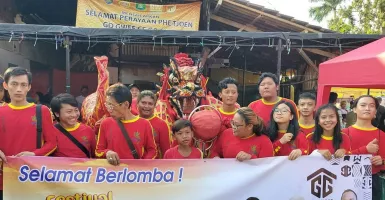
366	108
328	119
229	95
282	114
146	107
68	115
268	88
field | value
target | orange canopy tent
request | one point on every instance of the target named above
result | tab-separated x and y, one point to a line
361	68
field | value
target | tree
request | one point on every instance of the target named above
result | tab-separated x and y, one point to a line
356	16
319	13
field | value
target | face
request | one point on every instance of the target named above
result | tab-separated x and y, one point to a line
18	87
84	92
146	107
328	119
268	88
116	109
282	114
134	92
365	109
343	105
68	115
184	136
349	196
229	95
306	107
240	129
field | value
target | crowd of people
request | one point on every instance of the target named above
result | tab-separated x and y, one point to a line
270	126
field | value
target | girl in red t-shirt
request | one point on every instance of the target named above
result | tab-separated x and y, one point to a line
285	133
327	137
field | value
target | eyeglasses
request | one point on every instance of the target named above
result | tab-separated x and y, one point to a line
281	111
235	126
110	106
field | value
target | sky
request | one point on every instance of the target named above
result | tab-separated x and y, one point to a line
299	10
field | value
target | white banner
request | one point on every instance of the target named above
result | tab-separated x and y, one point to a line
277	178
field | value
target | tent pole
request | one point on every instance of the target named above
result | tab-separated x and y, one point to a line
244	81
369	91
279	60
68	66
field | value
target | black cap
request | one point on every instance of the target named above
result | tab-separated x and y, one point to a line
134	85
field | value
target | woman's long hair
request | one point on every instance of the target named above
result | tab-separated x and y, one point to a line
293	123
250	117
318	131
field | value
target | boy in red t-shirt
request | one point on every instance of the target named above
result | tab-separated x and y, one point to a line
66	112
183	134
306	107
228	92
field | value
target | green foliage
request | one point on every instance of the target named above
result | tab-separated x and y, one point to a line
353	16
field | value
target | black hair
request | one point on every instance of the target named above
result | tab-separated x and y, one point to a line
349	190
333	97
268	75
120	93
17	71
249	116
363	96
84	87
147	93
134	86
318	130
307	95
180	124
226	81
379	99
1	82
293	124
59	100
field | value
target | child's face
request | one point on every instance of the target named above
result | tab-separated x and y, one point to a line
306	107
68	115
184	136
328	119
282	114
366	108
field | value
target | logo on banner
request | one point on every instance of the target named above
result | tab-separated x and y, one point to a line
321	183
109	1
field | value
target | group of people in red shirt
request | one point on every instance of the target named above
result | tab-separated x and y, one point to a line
270	126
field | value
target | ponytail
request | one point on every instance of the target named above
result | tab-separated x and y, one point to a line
251	118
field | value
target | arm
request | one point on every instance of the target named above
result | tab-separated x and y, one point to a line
216	150
302	144
312	146
266	149
164	138
49	134
277	145
101	143
149	142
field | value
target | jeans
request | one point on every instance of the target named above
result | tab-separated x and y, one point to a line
378	186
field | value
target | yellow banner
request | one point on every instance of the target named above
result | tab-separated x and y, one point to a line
130	15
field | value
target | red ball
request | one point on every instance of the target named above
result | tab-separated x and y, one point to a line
206	124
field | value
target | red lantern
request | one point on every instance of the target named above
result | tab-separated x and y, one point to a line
206	123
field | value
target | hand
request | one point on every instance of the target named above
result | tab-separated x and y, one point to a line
286	138
295	154
372	147
112	158
2	157
25	153
326	154
340	153
376	160
242	156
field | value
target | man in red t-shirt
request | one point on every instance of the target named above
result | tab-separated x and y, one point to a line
306	107
268	84
228	92
112	143
18	121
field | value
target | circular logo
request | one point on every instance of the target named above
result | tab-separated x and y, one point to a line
109	1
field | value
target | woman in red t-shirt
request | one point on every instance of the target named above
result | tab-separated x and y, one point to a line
327	137
245	140
285	133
